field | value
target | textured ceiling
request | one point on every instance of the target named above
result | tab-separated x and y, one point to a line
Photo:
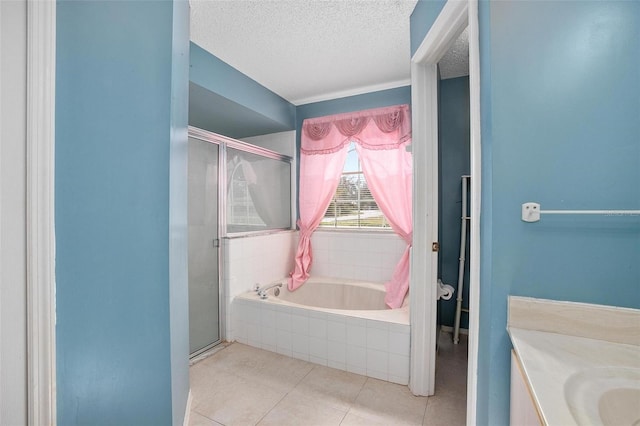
455	63
309	50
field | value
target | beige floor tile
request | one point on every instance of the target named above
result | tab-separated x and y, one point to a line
267	368
238	402
281	372
449	405
206	383
446	411
450	381
297	410
453	352
389	403
237	357
352	420
196	419
242	385
333	387
451	367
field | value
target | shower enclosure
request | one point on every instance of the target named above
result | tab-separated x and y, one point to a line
204	275
235	190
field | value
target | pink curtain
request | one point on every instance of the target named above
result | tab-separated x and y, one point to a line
389	177
319	177
381	136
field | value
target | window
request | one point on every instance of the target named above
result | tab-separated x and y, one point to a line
353	206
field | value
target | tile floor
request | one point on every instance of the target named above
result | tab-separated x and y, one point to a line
242	385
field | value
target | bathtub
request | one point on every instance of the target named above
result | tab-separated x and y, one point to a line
342	324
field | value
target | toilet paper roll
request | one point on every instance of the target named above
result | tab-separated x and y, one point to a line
445	291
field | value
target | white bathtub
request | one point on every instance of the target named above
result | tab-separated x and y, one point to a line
342	324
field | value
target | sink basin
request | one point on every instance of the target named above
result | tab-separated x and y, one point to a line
605	396
620	407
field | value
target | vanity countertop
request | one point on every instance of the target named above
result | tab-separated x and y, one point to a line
570	352
549	360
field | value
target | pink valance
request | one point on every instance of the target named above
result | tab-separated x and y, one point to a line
380	128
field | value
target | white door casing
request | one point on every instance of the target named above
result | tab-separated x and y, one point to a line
27	314
424	266
454	17
41	53
474	236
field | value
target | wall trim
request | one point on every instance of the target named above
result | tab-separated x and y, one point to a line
476	199
424	262
187	410
449	329
448	25
351	92
41	372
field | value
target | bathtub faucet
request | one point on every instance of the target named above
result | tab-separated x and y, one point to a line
263	291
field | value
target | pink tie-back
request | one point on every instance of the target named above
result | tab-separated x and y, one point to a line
325	135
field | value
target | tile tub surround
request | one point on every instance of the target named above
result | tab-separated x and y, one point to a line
254	259
364	346
554	344
357	255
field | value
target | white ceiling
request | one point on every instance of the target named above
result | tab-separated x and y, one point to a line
455	63
309	50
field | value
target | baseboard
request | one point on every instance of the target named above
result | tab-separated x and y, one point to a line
187	410
449	329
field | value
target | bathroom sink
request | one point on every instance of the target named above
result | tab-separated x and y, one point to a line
605	396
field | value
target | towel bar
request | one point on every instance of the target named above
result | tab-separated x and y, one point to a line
531	212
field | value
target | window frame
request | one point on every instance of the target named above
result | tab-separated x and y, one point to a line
225	142
264	153
357	228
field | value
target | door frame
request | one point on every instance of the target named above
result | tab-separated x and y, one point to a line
41	352
454	17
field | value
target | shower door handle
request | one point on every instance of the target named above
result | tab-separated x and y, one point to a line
216	242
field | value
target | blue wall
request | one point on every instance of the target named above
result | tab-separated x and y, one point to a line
559	126
454	161
422	18
564	131
224	100
118	335
379	99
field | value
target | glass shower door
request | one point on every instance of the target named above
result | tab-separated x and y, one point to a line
204	294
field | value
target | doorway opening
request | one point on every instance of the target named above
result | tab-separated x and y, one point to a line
452	20
454	181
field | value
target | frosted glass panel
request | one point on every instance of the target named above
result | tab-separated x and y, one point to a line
258	192
204	327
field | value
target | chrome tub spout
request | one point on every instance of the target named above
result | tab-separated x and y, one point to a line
263	291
